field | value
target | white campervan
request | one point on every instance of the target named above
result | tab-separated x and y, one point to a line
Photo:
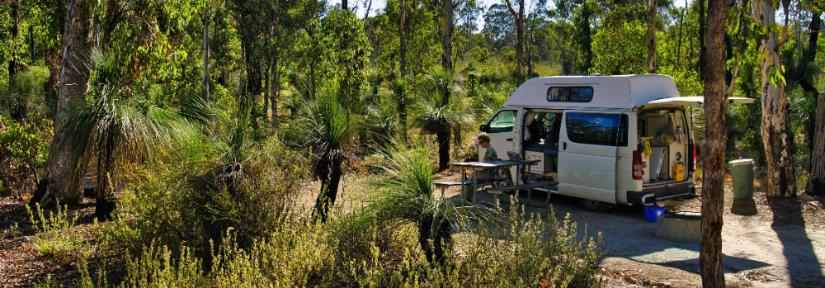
606	139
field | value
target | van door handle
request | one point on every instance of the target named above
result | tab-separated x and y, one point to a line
563	145
509	139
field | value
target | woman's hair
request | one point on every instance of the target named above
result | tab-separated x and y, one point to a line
484	138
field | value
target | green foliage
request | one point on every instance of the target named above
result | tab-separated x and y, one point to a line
55	235
630	59
24	148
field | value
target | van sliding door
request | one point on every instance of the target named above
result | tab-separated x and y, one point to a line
587	154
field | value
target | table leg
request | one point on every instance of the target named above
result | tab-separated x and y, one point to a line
475	181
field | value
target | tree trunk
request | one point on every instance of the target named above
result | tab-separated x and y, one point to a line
206	53
344	5
402	67
679	41
775	133
702	48
816	183
330	179
710	254
806	78
15	34
64	170
652	61
54	54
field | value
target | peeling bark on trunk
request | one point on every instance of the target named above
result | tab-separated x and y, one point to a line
710	254
64	171
775	133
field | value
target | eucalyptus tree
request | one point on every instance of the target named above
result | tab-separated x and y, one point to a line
776	138
710	250
64	171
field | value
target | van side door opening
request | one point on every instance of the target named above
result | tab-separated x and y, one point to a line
540	141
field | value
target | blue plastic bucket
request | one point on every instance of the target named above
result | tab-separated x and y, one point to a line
652	213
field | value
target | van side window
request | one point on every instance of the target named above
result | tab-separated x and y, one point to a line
570	94
503	121
597	128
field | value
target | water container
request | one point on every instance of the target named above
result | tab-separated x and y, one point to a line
652	213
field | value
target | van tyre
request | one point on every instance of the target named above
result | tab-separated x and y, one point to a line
593	205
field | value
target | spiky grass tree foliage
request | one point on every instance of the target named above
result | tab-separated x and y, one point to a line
328	129
111	128
406	195
438	114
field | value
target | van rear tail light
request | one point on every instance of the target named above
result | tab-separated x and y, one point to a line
638	166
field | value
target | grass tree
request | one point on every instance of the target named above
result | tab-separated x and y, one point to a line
439	117
328	130
111	128
406	195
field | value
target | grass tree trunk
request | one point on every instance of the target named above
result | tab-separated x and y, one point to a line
64	171
435	239
330	173
652	61
776	140
710	254
443	135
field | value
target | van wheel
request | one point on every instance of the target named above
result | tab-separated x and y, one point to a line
593	205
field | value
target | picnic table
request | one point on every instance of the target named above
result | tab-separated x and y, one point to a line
495	165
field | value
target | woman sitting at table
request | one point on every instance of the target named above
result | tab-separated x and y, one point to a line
490	154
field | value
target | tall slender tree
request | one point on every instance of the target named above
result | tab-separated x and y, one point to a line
775	132
402	67
710	254
519	19
652	61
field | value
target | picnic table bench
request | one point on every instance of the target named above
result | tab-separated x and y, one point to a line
512	189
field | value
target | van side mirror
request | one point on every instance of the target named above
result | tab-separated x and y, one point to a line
483	128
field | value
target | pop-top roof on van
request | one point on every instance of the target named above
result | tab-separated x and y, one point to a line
621	91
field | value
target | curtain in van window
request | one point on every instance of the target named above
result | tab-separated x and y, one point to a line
597	128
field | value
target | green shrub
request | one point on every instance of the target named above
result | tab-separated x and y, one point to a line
197	197
55	235
24	149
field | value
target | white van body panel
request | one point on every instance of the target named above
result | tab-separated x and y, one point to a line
623	91
589	170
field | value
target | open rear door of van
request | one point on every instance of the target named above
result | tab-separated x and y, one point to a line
688	101
588	145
